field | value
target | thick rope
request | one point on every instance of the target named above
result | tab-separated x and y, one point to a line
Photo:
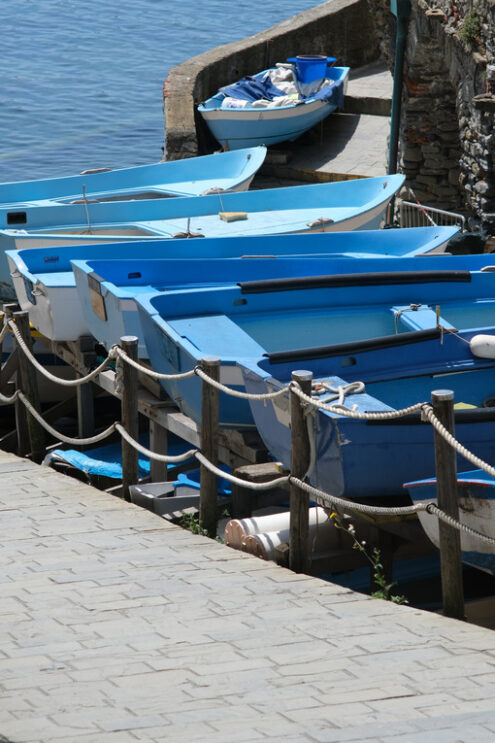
156	375
333	500
65	439
9	400
237	393
452	441
3	332
431	508
63	382
434	510
153	454
237	480
339	409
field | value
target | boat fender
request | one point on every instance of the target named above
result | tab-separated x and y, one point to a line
483	346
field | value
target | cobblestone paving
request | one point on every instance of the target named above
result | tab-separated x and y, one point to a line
118	627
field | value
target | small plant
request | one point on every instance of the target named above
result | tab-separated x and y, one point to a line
471	26
191	522
374	558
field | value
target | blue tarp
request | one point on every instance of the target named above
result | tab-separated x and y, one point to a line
107	460
252	89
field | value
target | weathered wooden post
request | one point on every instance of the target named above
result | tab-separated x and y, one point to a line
450	540
210	405
130	415
158	444
85	392
10	367
29	386
300	455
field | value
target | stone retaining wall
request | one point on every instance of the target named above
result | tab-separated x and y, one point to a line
447	129
341	28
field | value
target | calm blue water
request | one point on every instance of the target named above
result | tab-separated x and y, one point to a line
81	80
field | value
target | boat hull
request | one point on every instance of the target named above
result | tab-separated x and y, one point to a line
236	129
189	177
358	458
328	207
249	126
476	501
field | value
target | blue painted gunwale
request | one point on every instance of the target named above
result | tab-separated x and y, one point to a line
476	499
189	177
246	127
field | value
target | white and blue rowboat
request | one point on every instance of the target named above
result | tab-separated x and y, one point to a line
236	120
325	207
190	177
45	285
255	324
476	501
107	290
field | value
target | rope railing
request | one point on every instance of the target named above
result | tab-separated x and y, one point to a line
339	408
52	377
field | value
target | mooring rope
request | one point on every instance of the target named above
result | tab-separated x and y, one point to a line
454	443
63	382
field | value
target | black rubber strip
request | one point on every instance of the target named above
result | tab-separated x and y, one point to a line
341	349
350	279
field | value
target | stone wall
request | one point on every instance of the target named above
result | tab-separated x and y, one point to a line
342	28
447	130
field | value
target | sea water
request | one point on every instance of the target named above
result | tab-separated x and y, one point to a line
81	80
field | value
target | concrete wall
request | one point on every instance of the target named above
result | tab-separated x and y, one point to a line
341	28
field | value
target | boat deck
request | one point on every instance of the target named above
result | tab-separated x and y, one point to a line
118	626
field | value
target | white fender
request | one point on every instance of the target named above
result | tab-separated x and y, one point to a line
483	346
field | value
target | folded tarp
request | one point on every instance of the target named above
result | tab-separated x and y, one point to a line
252	89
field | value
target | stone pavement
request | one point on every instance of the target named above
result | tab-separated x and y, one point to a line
118	627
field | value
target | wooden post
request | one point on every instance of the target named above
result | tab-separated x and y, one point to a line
21	425
299	499
85	410
450	540
210	404
159	444
29	385
130	416
85	392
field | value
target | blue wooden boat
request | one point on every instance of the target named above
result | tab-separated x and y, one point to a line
275	105
107	290
476	500
250	327
324	207
190	177
357	458
46	288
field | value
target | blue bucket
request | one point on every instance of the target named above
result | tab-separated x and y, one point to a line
311	67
